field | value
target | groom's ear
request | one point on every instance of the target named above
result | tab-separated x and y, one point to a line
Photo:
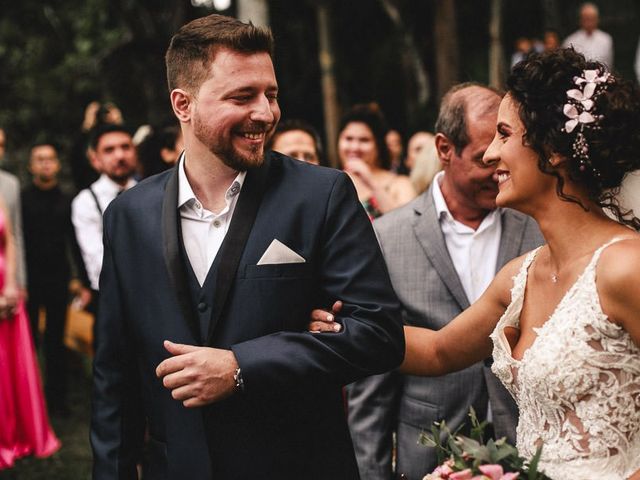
181	102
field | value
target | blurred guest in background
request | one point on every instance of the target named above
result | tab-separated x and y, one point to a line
159	150
551	39
365	157
297	139
113	152
523	47
593	43
24	425
10	192
427	165
49	243
95	115
418	142
394	142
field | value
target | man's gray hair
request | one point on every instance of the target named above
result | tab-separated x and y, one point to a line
452	117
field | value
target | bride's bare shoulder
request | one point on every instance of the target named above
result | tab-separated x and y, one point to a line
620	259
617	279
504	279
512	267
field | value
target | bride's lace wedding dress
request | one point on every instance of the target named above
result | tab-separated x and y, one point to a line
577	386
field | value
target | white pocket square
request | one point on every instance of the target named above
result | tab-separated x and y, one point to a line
278	252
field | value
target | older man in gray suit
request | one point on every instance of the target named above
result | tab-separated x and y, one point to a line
442	251
10	193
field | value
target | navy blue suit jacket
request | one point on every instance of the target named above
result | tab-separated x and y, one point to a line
289	422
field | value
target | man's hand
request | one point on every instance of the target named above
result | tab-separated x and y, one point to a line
323	321
198	376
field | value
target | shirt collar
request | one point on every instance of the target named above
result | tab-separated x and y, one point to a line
185	192
441	206
105	185
442	210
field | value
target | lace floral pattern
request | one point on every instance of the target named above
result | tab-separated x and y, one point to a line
577	386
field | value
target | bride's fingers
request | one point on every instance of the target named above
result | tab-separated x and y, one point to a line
323	326
337	306
319	315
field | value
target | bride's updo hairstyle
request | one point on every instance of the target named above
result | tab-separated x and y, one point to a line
577	109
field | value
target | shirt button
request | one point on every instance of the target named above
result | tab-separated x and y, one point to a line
235	189
198	206
216	223
202	307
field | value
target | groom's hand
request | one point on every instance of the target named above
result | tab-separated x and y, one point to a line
198	376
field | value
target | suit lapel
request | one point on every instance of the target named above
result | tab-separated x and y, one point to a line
511	239
236	237
171	232
426	227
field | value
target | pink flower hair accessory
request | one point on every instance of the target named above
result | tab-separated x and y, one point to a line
580	111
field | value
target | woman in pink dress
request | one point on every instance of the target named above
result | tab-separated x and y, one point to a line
24	425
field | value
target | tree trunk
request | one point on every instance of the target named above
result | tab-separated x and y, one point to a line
446	46
496	53
415	74
256	11
328	79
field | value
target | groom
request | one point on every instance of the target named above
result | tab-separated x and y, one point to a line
210	272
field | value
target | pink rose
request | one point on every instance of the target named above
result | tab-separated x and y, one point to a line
510	476
494	472
462	475
443	470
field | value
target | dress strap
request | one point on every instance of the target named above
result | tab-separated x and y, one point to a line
528	260
596	255
520	280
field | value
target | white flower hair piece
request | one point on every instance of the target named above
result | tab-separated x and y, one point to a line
580	112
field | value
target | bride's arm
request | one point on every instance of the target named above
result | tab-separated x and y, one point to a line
465	340
618	277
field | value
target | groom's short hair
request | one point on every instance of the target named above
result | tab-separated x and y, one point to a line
193	48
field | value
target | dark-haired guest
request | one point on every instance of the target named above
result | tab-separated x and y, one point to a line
364	155
49	245
297	139
160	150
113	154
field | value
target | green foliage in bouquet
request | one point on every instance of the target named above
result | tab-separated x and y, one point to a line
462	453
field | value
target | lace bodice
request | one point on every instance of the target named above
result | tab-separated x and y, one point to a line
577	386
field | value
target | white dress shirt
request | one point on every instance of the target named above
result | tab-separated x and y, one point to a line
87	222
597	46
474	252
203	231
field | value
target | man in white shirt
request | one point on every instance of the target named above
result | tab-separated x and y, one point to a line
593	43
112	152
442	251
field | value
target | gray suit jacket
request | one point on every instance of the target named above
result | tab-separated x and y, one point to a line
10	192
431	294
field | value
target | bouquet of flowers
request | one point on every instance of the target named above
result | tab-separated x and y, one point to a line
470	458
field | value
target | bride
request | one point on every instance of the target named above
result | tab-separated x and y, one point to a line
562	322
